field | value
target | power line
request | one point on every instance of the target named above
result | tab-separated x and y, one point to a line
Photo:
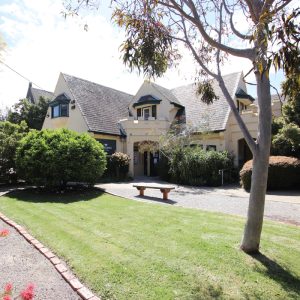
19	74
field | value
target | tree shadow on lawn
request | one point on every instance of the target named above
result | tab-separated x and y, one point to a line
276	272
36	195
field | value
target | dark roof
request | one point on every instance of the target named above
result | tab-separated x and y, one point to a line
102	107
205	117
62	98
147	99
34	94
243	95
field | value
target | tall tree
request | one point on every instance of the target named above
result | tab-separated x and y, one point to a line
32	114
155	27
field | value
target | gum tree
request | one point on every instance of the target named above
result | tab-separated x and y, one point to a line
154	30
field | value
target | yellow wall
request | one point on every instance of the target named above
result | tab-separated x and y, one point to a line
75	121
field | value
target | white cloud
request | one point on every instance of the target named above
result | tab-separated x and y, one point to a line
41	43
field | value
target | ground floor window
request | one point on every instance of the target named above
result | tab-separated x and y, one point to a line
110	146
211	148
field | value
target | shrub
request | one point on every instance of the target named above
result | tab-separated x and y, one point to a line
284	173
10	137
120	164
194	166
287	141
55	157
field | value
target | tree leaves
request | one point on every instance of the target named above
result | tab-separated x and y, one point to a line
206	92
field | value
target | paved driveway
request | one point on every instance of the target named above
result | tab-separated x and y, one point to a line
280	206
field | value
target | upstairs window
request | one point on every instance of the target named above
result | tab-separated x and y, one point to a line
60	110
241	106
146	112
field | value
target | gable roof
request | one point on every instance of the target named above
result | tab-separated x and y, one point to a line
102	107
201	116
34	94
167	94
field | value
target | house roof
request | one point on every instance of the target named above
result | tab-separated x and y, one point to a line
243	95
34	94
204	117
102	107
167	94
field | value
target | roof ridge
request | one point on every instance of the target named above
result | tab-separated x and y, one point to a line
42	90
82	79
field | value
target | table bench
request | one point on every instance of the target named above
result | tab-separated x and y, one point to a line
165	189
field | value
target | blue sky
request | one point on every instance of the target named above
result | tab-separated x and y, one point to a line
41	43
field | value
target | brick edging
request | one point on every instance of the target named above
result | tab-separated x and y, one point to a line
59	265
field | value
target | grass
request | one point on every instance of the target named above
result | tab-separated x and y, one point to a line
125	249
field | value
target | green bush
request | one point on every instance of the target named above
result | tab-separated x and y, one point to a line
10	137
120	164
53	158
287	141
284	173
194	166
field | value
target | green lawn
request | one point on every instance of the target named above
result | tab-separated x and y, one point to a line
125	249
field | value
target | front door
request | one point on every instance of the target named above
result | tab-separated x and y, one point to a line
154	159
152	164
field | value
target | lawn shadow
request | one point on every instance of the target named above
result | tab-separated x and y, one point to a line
276	272
171	202
36	195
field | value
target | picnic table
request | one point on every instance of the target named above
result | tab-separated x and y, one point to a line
165	189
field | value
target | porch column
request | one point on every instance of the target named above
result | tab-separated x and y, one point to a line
131	155
148	163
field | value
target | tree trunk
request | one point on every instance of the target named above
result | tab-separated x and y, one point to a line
253	228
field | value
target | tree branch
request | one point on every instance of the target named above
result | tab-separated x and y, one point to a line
234	30
219	78
279	8
246	53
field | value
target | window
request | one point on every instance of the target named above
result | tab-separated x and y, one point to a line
55	111
64	110
60	110
154	111
146	113
211	148
241	106
139	112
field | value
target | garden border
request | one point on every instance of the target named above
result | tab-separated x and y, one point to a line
60	266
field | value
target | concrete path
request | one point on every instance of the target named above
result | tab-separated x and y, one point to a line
280	206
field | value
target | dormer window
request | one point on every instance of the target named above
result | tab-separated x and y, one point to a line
241	106
147	112
60	106
243	100
60	110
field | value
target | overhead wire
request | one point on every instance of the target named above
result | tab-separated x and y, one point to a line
12	69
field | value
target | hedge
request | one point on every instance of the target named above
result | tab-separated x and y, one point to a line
284	173
53	158
194	166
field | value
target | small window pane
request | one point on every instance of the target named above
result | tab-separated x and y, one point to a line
64	110
154	111
139	112
211	148
55	111
146	113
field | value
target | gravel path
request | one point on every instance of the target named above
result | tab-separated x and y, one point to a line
279	206
21	264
